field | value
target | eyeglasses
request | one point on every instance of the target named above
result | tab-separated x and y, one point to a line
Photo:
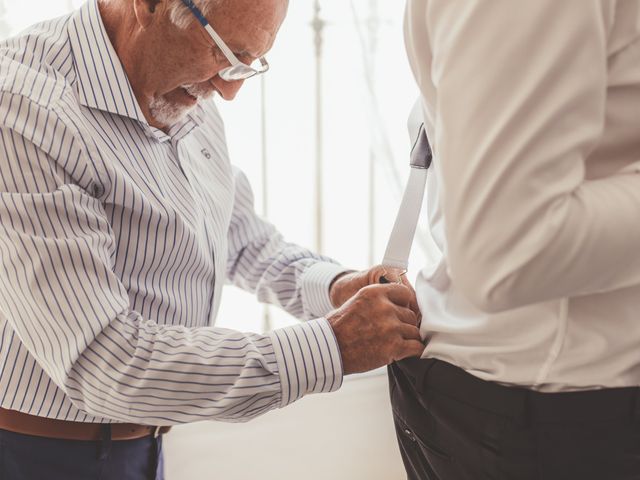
237	70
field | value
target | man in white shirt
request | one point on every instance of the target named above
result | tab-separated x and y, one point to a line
531	308
121	218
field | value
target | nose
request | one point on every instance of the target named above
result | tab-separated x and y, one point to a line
227	90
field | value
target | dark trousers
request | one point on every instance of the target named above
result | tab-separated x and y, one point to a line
454	426
24	457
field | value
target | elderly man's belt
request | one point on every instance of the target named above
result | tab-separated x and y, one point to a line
23	423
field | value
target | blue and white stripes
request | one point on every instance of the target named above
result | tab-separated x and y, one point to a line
115	242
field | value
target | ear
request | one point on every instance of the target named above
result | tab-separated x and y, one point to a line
148	11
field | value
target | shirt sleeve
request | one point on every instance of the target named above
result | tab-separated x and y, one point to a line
520	94
280	273
59	293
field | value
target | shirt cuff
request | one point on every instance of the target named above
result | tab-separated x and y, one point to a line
315	287
309	359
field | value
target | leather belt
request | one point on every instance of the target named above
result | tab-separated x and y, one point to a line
25	424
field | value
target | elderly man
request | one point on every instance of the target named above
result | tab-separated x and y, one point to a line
120	220
532	367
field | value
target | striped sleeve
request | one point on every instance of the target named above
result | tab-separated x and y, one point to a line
308	359
59	293
280	273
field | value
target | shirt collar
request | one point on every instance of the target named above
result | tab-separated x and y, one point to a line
102	82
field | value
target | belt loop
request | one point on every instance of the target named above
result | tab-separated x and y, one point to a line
635	415
158	458
105	441
421	376
527	410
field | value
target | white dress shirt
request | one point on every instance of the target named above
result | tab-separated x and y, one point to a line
115	242
533	111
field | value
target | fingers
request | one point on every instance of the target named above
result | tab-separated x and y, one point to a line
410	348
392	275
344	286
407	316
398	294
407	283
375	274
409	332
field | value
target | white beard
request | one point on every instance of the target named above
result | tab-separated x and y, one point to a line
168	113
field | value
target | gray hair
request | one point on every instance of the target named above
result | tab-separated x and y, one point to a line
179	14
182	17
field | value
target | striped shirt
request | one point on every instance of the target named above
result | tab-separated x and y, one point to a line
115	242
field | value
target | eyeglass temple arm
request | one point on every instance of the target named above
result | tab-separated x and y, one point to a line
221	45
214	35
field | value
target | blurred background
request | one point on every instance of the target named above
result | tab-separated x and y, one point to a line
331	114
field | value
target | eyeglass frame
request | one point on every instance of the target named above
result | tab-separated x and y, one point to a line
243	71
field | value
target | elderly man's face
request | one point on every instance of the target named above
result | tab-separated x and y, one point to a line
186	62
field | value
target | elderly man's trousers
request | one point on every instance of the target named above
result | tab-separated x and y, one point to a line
25	457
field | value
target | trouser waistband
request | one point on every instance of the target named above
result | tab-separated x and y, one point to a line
521	403
18	422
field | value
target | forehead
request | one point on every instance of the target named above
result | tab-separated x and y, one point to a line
249	25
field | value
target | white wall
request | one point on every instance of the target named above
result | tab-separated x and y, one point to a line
347	435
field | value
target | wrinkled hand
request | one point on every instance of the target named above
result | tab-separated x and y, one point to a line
376	327
347	285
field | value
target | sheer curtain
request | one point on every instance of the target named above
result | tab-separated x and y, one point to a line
361	96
